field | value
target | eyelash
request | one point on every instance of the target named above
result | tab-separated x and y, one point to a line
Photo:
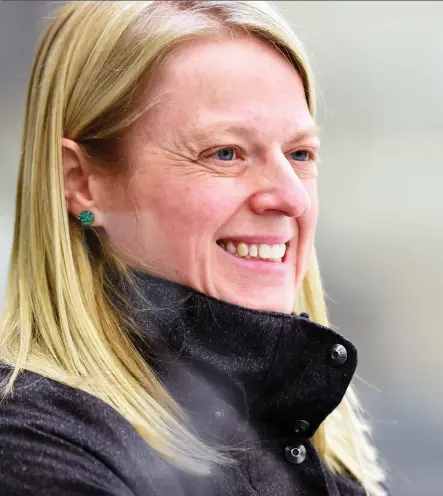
312	154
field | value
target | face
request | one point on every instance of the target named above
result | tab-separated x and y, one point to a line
225	162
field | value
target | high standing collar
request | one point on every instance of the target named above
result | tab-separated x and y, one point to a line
288	367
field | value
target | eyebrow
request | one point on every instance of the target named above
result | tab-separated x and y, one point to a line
201	133
315	130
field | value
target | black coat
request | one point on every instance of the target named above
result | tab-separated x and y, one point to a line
261	382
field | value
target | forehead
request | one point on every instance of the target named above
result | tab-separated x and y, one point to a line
244	79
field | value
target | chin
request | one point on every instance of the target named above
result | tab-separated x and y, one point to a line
273	304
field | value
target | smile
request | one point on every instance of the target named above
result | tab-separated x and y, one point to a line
269	253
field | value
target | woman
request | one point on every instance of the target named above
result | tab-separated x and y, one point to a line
166	212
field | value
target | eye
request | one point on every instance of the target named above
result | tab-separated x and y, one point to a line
225	154
302	155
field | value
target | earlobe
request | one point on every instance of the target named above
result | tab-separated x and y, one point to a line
86	218
77	174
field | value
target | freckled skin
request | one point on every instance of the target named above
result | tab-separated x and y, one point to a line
181	197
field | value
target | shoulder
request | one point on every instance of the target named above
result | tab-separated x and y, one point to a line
55	439
42	404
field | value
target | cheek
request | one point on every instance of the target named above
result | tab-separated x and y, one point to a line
307	224
191	207
312	215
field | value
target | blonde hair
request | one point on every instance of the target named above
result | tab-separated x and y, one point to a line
92	66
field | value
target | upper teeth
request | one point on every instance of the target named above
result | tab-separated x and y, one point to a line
266	252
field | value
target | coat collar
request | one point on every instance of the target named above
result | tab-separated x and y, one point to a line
289	372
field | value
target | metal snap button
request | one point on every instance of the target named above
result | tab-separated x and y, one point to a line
295	454
301	426
339	355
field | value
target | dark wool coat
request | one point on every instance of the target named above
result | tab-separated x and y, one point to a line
260	382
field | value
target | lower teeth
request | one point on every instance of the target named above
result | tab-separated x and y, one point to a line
247	257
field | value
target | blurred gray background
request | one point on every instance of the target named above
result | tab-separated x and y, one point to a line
380	239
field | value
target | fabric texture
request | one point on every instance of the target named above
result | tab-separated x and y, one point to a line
258	382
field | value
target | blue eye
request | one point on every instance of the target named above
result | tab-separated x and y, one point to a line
301	155
225	154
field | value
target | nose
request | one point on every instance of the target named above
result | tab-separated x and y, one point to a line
280	190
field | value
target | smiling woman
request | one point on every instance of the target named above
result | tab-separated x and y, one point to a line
151	335
216	160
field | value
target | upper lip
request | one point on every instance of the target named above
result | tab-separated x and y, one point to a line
269	239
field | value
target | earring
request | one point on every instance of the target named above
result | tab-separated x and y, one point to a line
86	218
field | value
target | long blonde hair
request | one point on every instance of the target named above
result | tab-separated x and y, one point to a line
90	71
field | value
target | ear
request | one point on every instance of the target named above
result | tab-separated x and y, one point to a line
79	182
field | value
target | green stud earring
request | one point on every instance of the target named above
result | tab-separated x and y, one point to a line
86	218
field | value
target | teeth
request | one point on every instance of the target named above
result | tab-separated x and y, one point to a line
230	247
253	250
273	253
265	251
276	251
242	250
